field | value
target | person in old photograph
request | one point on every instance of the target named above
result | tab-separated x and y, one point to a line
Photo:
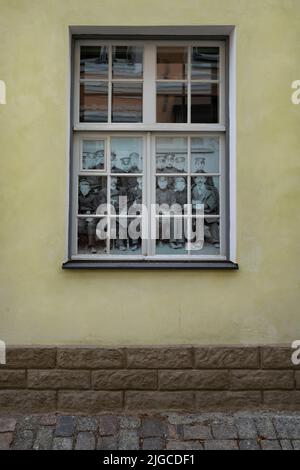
204	193
126	164
180	164
136	201
87	204
165	196
160	163
199	165
135	161
115	193
180	199
170	163
93	160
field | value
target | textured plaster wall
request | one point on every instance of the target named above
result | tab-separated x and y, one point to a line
40	303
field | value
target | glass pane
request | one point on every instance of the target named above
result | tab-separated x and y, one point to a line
93	155
170	236
171	63
171	193
126	236
171	102
126	155
93	62
127	102
205	155
127	62
90	238
92	194
171	155
205	194
126	194
93	102
206	236
205	63
204	102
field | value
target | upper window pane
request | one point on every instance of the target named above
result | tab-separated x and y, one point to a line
205	63
127	62
171	63
126	155
93	155
94	62
93	102
171	102
204	102
127	102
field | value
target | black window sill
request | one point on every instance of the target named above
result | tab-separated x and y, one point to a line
91	264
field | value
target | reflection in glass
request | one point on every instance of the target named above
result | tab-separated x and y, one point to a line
205	194
171	63
88	240
127	102
127	62
205	63
93	102
92	193
126	155
171	155
93	62
93	155
171	102
125	234
204	102
205	155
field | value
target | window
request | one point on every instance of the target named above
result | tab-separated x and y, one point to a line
149	179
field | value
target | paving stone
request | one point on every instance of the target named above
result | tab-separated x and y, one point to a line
296	444
286	444
108	424
249	444
43	439
85	441
152	427
29	422
7	424
62	443
187	445
48	420
172	431
153	443
5	440
221	445
196	431
23	440
246	428
107	443
87	423
265	428
128	440
130	422
270	445
224	431
287	427
65	426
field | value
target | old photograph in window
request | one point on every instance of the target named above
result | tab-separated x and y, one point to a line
89	240
93	155
171	154
205	195
126	155
125	235
92	195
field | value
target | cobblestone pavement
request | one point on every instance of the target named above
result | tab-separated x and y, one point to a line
172	431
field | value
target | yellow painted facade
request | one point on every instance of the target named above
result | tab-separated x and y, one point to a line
42	304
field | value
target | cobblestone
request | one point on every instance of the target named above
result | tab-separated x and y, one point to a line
157	431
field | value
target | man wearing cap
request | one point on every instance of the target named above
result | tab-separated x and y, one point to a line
170	160
160	163
180	164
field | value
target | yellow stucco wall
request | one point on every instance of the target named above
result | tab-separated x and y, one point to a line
42	304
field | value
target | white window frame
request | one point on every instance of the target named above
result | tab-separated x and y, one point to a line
149	129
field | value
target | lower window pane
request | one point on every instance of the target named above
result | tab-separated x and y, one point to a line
127	102
171	236
205	237
88	241
171	191
92	194
204	103
125	236
126	194
93	102
171	102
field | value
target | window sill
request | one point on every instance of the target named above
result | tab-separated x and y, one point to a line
93	264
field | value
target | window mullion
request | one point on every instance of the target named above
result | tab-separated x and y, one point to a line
149	88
